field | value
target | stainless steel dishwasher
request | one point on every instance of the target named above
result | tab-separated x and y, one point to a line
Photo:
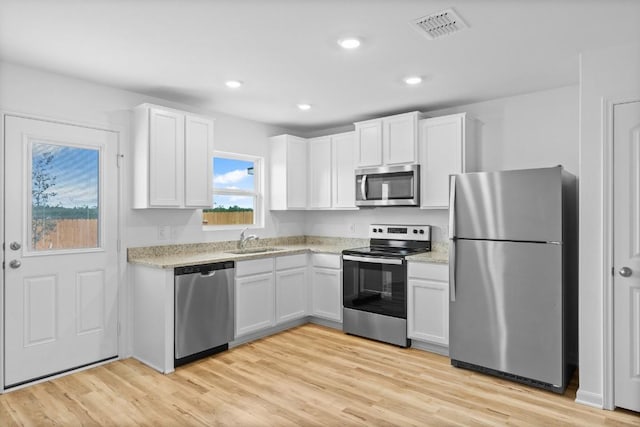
204	310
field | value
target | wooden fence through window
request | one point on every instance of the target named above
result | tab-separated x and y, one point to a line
70	234
225	218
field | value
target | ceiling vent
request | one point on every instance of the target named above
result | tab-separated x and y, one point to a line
439	24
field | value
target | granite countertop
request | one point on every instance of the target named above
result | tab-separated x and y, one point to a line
171	256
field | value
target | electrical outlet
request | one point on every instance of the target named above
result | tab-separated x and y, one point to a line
164	232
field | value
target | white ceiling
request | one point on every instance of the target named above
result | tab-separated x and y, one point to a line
286	53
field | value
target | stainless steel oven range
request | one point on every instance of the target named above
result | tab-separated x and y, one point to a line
374	280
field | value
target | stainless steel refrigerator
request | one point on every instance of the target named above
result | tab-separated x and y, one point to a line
513	274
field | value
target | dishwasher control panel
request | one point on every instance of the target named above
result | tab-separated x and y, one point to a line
202	268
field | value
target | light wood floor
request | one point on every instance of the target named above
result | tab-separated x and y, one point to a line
309	375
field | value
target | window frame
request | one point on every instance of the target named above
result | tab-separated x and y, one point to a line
257	193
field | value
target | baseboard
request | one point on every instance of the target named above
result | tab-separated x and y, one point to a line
325	322
432	348
589	399
269	331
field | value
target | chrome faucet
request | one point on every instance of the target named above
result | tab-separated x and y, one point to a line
244	239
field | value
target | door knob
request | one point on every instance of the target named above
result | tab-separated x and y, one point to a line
625	272
15	263
14	246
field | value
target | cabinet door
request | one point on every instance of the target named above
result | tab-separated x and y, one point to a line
441	140
428	311
369	143
326	293
399	139
343	161
296	173
254	303
291	294
320	172
166	158
198	162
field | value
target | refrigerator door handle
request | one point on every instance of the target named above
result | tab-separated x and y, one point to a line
452	206
452	270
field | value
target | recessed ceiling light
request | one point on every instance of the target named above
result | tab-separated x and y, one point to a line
233	84
413	80
304	107
349	43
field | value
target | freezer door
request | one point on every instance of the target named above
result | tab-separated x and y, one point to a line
524	205
507	314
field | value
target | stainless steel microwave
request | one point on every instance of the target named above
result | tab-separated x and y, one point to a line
388	186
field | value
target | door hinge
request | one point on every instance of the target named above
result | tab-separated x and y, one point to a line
613	271
118	157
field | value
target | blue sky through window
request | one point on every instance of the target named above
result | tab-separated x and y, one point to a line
233	174
75	171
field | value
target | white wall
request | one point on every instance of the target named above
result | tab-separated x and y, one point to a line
46	95
341	223
610	74
33	92
533	130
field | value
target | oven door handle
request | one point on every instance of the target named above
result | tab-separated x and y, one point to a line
395	261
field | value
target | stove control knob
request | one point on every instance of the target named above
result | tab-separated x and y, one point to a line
379	230
415	231
374	230
421	231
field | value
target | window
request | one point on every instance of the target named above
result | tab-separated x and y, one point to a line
64	197
237	191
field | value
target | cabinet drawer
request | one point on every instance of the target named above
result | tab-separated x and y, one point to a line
327	261
257	266
422	270
291	261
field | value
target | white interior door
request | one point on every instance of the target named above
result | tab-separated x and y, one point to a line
60	248
626	257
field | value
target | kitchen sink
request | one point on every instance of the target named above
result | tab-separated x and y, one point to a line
254	250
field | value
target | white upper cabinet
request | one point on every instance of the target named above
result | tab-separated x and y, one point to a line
198	173
320	173
369	142
388	140
317	173
288	172
446	147
172	158
343	166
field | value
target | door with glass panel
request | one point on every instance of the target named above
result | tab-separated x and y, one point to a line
60	305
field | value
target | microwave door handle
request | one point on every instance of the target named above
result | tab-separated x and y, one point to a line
363	187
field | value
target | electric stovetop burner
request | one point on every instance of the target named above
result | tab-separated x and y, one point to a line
395	241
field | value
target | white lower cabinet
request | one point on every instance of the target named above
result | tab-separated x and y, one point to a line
270	291
255	303
428	303
326	287
291	287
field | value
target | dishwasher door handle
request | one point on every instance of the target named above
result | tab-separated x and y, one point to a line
209	274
